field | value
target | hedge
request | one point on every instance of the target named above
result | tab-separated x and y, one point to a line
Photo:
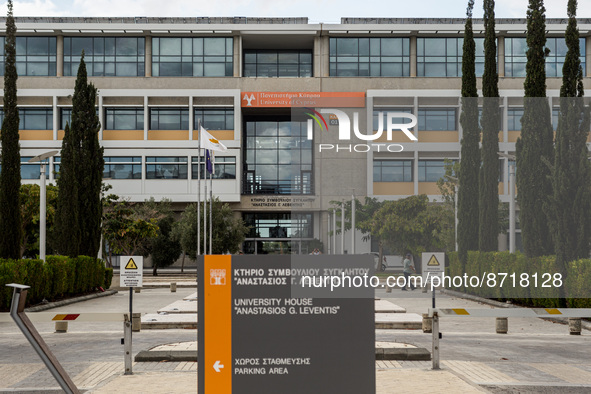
59	277
576	281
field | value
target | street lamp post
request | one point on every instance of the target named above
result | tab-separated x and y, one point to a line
42	200
511	200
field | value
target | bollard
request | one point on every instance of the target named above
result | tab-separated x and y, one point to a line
127	346
574	326
136	322
173	287
435	350
61	326
502	325
427	323
137	289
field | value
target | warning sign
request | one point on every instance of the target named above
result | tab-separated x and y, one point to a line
131	271
131	265
433	264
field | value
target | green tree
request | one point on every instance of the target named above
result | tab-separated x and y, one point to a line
570	206
165	248
470	151
229	231
489	172
10	176
91	164
535	151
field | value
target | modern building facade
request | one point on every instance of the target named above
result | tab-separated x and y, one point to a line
158	78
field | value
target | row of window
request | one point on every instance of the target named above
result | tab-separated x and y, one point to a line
429	170
132	118
213	57
157	167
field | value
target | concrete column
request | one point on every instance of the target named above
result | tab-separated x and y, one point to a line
101	116
324	54
148	57
60	56
588	54
501	55
237	56
413	56
317	60
146	118
56	117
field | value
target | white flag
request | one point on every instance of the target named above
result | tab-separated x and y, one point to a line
209	142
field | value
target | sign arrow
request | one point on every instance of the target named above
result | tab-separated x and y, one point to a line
217	366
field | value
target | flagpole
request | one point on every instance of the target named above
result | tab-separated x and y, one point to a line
199	189
205	211
211	204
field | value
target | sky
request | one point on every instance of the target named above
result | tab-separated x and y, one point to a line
327	11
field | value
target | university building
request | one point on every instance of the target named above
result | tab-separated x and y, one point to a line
159	77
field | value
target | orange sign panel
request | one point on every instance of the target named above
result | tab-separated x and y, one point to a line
302	99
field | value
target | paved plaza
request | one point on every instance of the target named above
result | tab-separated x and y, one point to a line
536	356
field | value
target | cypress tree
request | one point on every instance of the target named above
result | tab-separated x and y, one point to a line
91	164
470	153
489	172
79	208
535	151
571	175
10	177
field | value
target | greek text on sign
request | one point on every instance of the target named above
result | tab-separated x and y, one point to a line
132	271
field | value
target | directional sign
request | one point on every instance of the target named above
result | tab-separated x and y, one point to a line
433	264
257	335
131	271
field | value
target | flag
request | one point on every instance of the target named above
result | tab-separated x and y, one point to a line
208	161
209	142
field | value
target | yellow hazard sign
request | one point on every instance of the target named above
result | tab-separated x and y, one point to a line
131	265
433	261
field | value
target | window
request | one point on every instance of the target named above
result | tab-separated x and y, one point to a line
555	115
66	116
224	167
514	119
431	170
192	57
273	63
437	119
166	167
169	119
33	118
35	56
215	118
442	57
30	170
105	56
123	168
369	57
56	166
384	114
277	158
516	56
500	120
124	118
392	171
279	225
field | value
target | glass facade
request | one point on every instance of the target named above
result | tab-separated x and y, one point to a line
31	170
33	118
124	119
392	171
277	158
166	167
437	119
277	63
384	115
369	57
214	118
431	170
35	56
442	57
224	167
123	168
66	116
516	56
169	119
105	56
192	57
279	225
514	116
